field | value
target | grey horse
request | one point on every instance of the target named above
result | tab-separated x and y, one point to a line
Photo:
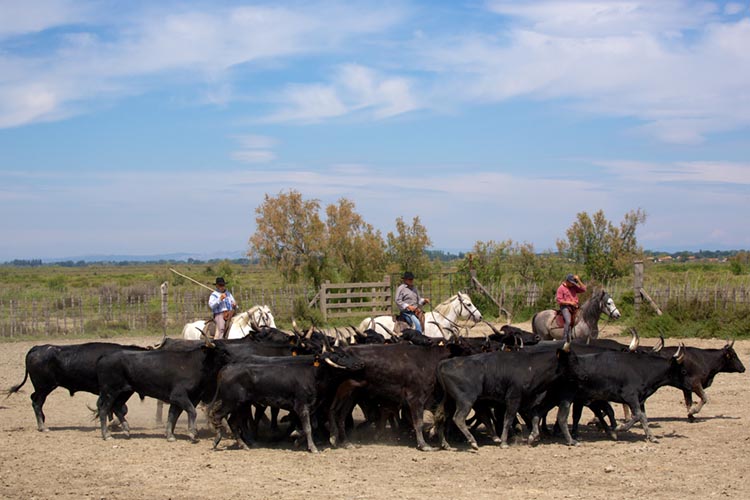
586	325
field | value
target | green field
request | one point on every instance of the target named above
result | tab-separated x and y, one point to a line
697	299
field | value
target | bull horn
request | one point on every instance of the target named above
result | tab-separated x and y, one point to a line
254	324
680	354
729	344
390	332
338	337
635	342
659	345
492	327
566	346
309	333
442	332
209	342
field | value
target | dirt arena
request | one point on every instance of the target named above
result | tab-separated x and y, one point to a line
705	459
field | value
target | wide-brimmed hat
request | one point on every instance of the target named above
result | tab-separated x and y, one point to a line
408	275
220	281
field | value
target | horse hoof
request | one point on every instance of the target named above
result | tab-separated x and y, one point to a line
503	446
171	439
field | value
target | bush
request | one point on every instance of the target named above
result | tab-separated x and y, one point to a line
301	312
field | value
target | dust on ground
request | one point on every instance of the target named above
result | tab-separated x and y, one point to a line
704	459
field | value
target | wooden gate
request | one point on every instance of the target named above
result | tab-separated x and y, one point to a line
344	300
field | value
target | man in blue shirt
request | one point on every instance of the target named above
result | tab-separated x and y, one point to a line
222	306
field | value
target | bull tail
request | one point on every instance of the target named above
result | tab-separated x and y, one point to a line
15	388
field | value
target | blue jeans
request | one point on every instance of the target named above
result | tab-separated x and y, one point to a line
568	316
412	318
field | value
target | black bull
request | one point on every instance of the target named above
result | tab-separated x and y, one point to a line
298	384
72	367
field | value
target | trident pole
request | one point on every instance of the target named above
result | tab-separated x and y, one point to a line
191	279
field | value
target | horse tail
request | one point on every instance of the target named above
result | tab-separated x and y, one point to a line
534	328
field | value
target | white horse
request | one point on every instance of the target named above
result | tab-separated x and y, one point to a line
446	314
241	323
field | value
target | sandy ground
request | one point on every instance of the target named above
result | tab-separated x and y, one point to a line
705	459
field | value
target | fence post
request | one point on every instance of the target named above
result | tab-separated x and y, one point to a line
164	307
637	285
324	300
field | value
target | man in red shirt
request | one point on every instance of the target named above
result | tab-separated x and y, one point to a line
567	299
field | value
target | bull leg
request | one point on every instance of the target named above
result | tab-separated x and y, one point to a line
511	408
303	413
639	414
120	410
417	418
172	415
37	403
159	411
192	417
484	415
103	405
562	421
236	423
693	410
603	410
577	411
459	418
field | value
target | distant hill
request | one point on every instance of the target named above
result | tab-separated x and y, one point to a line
167	257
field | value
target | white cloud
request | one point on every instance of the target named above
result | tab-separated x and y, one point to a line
158	45
255	141
696	172
353	88
672	65
254	156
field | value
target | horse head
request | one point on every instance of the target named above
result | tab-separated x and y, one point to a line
608	306
466	308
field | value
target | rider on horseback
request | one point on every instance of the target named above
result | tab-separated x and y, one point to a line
223	307
567	299
409	302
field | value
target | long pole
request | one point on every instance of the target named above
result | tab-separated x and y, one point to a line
191	279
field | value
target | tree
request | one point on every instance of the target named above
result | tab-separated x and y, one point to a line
407	247
290	236
356	252
604	250
494	260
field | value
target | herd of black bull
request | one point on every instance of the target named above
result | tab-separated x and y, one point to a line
320	381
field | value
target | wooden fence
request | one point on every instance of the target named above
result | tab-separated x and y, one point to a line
346	300
119	312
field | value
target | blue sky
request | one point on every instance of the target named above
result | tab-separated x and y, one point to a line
145	128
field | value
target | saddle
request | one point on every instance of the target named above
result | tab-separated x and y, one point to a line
400	322
559	320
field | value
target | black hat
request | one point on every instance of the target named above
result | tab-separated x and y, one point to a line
408	275
220	281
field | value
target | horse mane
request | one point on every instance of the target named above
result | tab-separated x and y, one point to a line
445	305
588	308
